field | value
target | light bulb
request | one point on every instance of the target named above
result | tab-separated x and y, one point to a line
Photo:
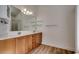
30	13
24	12
25	9
27	12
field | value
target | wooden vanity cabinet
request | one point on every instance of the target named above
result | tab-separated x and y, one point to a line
20	45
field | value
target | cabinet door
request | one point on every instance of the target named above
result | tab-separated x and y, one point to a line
29	38
10	46
2	46
28	43
20	45
38	39
34	41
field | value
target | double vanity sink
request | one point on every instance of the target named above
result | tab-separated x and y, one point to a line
20	42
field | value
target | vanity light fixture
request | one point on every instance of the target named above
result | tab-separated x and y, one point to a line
27	12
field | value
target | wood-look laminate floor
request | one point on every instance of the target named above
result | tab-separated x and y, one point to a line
44	49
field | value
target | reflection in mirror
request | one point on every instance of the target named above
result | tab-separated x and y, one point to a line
22	20
14	22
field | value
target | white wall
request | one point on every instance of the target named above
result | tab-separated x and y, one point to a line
4	28
61	33
77	41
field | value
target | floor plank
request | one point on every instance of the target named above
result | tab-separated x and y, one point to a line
44	49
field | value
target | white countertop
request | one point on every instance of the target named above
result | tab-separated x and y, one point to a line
15	34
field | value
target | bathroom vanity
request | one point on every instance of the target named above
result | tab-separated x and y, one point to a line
20	44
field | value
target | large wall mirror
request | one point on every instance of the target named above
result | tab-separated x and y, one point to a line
23	18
